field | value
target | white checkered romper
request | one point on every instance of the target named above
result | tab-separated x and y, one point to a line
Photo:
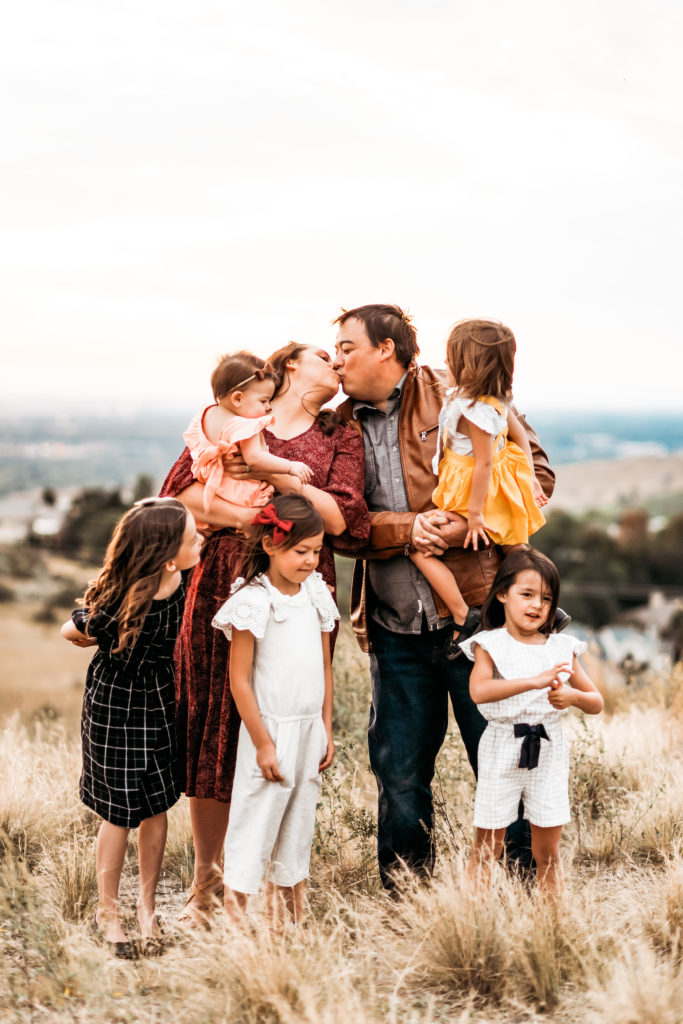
130	769
501	783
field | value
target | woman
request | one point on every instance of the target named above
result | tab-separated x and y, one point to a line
207	720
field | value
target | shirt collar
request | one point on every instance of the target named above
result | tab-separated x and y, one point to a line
393	400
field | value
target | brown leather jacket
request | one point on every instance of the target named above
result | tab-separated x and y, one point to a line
423	394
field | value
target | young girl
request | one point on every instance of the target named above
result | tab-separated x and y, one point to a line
132	612
242	386
279	618
524	679
486	472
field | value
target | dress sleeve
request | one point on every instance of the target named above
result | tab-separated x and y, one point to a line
241	428
327	610
102	626
346	484
179	478
247	609
483	416
486	640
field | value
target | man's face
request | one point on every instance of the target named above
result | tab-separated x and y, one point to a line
356	360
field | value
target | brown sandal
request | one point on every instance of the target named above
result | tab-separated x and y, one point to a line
203	900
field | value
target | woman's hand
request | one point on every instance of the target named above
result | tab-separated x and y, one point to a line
266	759
329	753
551	676
476	528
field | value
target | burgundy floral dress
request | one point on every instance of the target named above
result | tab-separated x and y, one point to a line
207	720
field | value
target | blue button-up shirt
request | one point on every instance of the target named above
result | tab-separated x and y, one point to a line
399	597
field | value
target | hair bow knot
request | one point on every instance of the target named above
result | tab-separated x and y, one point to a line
269	517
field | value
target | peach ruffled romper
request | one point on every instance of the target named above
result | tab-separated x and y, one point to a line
207	460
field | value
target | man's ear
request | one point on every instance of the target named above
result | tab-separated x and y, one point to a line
386	348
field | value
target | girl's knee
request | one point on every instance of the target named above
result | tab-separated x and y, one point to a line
545	844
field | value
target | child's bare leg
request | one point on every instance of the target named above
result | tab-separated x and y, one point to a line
545	846
488	846
235	904
151	844
112	841
209	820
442	580
285	903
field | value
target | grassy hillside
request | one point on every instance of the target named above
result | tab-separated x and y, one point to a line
610	953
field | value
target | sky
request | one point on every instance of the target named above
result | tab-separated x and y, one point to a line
183	179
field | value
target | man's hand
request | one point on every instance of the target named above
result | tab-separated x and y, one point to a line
425	535
237	468
440	530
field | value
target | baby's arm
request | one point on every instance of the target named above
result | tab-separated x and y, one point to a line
518	434
581	692
482	447
71	633
258	458
241	662
484	687
327	703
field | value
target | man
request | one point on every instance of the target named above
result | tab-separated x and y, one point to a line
396	404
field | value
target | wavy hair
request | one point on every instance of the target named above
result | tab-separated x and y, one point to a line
481	357
382	322
145	538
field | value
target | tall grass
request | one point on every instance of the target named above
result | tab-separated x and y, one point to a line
611	951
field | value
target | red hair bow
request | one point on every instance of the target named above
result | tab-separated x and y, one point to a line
269	517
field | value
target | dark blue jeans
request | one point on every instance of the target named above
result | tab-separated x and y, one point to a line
411	685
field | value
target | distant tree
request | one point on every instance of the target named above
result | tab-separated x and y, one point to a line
143	486
89	523
49	496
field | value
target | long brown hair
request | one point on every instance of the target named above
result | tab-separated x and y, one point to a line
145	538
327	419
522	558
481	357
293	508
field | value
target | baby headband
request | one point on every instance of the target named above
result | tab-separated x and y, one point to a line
269	517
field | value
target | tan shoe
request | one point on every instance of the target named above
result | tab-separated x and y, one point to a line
202	903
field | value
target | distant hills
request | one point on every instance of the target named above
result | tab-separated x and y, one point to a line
68	451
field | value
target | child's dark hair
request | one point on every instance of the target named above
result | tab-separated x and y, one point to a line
236	370
481	357
519	560
145	538
305	521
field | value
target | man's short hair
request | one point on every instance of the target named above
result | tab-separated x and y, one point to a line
382	322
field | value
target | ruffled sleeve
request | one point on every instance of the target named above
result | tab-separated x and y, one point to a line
481	413
239	428
321	598
247	608
486	640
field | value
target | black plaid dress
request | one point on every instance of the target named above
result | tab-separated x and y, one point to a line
130	760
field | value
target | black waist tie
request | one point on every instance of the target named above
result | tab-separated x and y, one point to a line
531	745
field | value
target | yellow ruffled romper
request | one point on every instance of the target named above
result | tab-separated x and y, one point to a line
510	512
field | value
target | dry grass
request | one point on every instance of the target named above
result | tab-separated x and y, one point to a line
611	952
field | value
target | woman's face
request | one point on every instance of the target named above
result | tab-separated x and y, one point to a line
312	374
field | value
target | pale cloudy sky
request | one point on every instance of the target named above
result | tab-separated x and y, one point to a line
179	179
